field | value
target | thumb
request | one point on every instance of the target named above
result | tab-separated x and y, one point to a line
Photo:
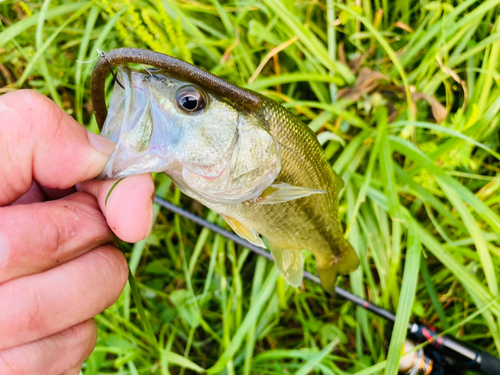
39	141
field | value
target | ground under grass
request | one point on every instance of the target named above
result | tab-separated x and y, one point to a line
405	98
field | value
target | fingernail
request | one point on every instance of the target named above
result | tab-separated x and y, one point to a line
101	144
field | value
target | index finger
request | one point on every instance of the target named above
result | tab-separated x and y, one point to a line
42	142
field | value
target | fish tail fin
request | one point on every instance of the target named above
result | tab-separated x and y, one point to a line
344	262
290	264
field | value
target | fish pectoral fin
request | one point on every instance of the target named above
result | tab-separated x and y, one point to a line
283	192
249	234
290	264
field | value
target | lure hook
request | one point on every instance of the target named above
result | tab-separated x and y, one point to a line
103	55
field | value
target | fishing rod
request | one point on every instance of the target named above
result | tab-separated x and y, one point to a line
443	352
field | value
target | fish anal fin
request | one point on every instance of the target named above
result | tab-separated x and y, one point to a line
283	192
290	264
344	261
244	231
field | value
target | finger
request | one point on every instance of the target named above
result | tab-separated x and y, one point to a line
129	208
40	236
39	193
53	355
56	150
45	303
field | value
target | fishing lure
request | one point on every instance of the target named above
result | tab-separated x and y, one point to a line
235	151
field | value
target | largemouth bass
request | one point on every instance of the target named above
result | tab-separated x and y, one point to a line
262	169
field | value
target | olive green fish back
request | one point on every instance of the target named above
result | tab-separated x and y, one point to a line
304	164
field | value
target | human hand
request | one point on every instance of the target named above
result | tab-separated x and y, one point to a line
58	268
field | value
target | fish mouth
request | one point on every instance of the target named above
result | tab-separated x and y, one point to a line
128	125
220	156
126	161
147	139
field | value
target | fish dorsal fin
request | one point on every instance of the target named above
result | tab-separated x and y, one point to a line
283	192
245	232
290	264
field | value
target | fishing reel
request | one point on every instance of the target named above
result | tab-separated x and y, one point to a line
424	362
444	355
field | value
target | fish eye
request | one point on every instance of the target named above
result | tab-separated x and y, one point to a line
190	99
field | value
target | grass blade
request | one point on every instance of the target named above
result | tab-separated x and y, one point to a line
408	288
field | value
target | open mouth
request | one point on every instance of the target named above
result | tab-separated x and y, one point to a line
150	135
219	155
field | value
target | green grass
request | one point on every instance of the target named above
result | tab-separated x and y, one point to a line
421	200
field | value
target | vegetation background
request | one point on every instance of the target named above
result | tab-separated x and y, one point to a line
404	97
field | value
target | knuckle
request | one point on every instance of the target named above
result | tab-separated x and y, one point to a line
12	165
88	209
24	118
82	214
69	219
50	229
